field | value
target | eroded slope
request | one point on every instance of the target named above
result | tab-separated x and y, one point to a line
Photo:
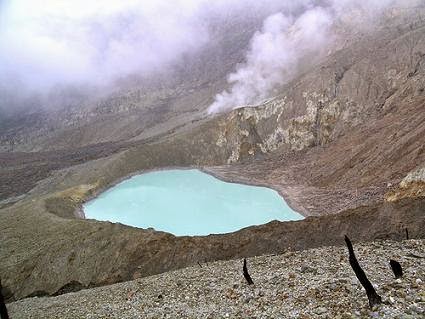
340	136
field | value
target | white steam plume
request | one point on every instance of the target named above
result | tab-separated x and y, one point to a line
44	43
276	51
273	56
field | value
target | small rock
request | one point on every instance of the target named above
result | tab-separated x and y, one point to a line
259	292
320	311
332	286
307	269
401	293
415	309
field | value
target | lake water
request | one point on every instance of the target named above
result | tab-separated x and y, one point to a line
188	202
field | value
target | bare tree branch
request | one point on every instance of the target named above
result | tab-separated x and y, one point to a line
246	274
3	309
374	298
397	269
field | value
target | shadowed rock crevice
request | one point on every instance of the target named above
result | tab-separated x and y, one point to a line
71	287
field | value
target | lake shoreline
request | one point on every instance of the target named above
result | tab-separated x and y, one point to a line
240	205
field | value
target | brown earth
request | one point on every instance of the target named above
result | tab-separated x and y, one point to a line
333	143
79	253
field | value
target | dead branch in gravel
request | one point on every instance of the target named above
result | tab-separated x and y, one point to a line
374	298
407	233
246	274
411	255
396	267
3	309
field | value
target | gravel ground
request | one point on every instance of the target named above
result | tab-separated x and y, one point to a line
316	283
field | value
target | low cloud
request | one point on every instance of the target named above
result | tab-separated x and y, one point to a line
273	56
46	44
286	38
55	41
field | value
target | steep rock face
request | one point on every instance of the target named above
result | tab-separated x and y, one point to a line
412	186
136	107
361	72
351	87
417	176
356	121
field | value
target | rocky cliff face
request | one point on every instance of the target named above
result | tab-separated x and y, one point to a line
362	75
351	87
338	139
413	185
135	107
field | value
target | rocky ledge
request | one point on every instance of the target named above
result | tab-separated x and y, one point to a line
315	283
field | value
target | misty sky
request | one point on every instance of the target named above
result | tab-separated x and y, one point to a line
49	42
44	42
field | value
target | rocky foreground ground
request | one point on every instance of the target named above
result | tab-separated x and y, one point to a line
316	283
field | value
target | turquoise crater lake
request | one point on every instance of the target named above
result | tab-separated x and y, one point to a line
188	202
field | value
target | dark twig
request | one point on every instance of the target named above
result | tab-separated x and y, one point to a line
3	309
407	233
199	264
246	274
374	298
396	267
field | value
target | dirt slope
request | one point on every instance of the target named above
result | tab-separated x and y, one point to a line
336	140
